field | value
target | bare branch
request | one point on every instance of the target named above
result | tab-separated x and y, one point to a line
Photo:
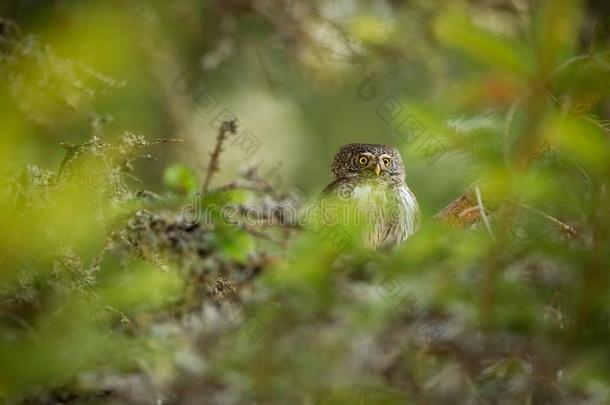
225	128
482	213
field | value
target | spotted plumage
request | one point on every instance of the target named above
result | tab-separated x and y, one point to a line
372	179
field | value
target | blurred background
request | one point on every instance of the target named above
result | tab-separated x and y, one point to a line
110	110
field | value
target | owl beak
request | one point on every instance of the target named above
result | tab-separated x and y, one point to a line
377	169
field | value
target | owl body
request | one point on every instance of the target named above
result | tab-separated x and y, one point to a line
371	178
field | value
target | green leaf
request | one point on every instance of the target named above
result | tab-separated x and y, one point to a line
180	178
456	30
555	30
234	243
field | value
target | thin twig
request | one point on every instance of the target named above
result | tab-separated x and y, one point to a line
165	140
564	228
262	235
225	128
22	322
482	212
252	183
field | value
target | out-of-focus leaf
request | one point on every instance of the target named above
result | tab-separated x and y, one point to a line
456	30
180	178
581	140
370	29
234	243
556	27
143	287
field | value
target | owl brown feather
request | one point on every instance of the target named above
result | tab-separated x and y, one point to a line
373	176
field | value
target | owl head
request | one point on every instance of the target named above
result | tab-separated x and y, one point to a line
356	159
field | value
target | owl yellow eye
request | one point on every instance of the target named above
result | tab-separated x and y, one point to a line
386	161
363	160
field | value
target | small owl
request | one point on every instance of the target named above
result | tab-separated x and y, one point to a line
372	179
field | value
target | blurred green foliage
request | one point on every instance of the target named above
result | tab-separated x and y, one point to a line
120	283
